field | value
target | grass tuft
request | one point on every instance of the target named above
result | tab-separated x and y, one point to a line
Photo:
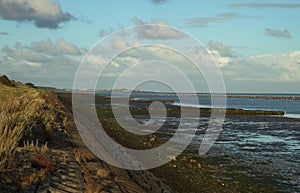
18	114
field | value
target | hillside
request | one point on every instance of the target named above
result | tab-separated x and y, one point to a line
8	86
5	81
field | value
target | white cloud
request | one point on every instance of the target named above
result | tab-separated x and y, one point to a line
281	67
160	31
41	67
58	48
222	49
119	43
222	54
25	54
44	13
273	67
219	59
94	59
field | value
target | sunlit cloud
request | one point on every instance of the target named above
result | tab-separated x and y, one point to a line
44	13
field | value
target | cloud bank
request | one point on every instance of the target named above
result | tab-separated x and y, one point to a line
219	18
35	63
59	48
281	67
267	68
44	13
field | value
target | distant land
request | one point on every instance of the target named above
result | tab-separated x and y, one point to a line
274	96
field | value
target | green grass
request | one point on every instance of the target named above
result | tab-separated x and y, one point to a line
16	91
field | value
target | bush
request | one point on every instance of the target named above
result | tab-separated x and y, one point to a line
30	85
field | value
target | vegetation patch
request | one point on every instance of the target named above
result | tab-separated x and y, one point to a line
28	119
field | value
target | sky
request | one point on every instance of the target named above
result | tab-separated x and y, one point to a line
255	44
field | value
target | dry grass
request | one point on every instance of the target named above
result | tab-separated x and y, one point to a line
17	91
32	178
34	147
17	116
28	119
8	143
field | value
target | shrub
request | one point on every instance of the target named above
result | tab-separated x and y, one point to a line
30	85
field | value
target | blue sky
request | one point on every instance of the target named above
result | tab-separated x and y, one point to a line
255	43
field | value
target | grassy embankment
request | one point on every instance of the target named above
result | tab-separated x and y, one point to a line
28	118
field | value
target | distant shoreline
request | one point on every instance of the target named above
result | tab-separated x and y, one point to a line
271	96
205	110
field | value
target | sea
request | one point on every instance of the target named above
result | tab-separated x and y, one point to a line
291	107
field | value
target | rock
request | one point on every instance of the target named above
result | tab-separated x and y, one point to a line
103	173
192	161
184	158
152	138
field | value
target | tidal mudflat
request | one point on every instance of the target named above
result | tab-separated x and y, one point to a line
255	151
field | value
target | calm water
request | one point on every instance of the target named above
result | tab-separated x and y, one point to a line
290	107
